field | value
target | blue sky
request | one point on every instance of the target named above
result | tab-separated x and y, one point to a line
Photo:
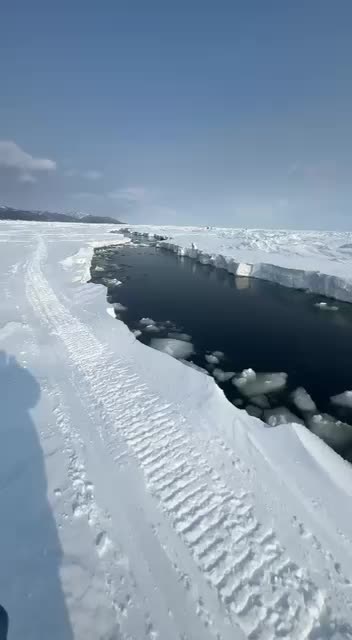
231	113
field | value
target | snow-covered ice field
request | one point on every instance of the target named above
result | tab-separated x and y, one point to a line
318	261
136	502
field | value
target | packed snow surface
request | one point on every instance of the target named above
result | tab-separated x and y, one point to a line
319	261
136	502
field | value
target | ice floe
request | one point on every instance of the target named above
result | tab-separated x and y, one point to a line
281	415
302	400
343	399
175	348
254	384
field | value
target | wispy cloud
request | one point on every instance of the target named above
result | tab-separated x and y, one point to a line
87	194
130	194
13	157
27	177
90	174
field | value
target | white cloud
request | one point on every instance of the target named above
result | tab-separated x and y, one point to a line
85	194
13	157
27	177
129	194
90	174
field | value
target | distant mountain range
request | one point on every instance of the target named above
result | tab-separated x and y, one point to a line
9	213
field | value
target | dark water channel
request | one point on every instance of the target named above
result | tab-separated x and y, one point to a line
255	324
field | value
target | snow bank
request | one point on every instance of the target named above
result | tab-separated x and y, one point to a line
314	261
162	509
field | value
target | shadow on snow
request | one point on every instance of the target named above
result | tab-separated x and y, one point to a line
31	555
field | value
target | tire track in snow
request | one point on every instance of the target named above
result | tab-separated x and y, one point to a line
260	588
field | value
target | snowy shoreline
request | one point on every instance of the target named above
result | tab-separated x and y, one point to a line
290	259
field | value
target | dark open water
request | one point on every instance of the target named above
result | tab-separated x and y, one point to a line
256	324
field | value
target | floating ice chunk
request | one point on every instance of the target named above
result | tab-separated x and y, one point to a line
194	366
343	399
324	306
179	336
211	359
246	375
175	348
252	384
111	282
218	354
119	307
335	433
223	376
146	321
152	328
302	400
137	333
280	415
111	312
261	401
256	412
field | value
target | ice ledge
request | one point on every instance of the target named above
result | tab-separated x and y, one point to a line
316	282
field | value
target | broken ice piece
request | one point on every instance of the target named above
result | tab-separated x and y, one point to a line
223	376
343	399
302	400
280	415
335	433
252	384
175	348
